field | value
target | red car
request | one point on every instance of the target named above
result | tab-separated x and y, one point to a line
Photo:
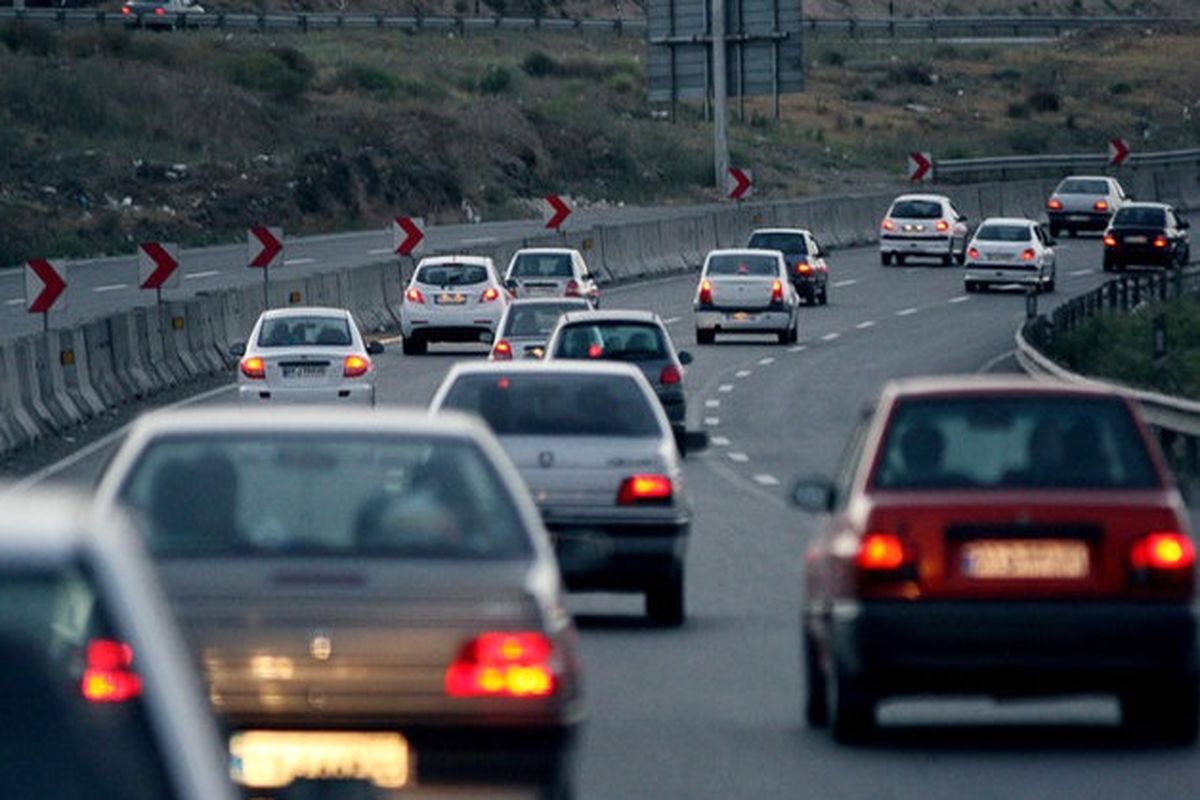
1006	538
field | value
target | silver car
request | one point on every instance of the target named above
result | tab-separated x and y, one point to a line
746	291
925	225
306	355
527	325
99	696
598	455
551	272
1084	203
451	299
1010	251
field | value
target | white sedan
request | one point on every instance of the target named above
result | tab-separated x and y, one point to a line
746	291
306	355
1010	251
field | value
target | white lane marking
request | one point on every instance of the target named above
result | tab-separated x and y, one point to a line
766	480
800	348
101	443
671	320
712	421
724	387
741	458
712	403
287	262
1078	272
962	298
382	251
766	361
112	287
992	362
208	273
719	441
862	326
849	282
906	312
480	240
742	373
16	301
829	337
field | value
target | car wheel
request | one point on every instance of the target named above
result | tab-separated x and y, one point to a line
1049	285
559	789
1108	265
1054	231
816	700
1072	232
705	336
901	259
885	259
413	346
971	287
824	295
961	258
665	601
1169	712
851	707
947	260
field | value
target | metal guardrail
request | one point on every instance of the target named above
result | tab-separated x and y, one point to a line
1005	166
942	27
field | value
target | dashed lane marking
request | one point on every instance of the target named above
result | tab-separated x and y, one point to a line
741	458
712	421
829	337
962	298
112	287
848	282
480	240
712	403
720	441
671	320
381	251
725	388
208	273
906	312
742	373
797	349
766	361
862	326
1079	272
766	480
289	262
16	301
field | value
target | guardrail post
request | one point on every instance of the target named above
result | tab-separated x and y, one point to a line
61	16
304	23
221	21
262	23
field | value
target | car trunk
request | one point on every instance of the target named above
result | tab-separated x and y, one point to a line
1006	253
1136	237
918	227
733	291
584	471
304	367
1080	203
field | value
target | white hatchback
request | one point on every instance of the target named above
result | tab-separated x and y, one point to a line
452	299
926	225
551	272
1010	250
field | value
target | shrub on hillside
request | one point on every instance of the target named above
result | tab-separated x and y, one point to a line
19	36
495	80
1044	100
284	72
367	79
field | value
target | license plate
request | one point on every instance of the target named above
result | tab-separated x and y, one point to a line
741	316
1135	240
304	372
989	559
275	759
917	228
540	291
1079	218
450	299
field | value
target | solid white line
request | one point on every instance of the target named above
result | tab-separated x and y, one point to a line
16	301
712	403
671	320
962	298
724	387
829	337
906	312
382	251
712	421
481	240
105	441
208	273
862	326
719	441
1078	272
797	349
112	287
742	373
766	361
766	480
290	261
992	362
850	282
741	458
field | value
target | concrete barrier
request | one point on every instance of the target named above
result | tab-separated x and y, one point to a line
17	424
394	286
129	358
75	373
676	235
160	328
618	252
843	222
102	372
1189	189
150	340
201	336
991	201
52	384
31	386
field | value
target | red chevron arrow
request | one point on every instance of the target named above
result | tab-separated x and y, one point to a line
265	244
53	284
163	262
413	235
1118	151
743	181
919	166
561	211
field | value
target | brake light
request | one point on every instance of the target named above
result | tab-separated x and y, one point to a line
356	366
777	291
108	677
670	375
1166	551
414	296
645	489
706	292
888	225
942	225
1110	240
489	294
973	253
1101	205
254	368
502	351
126	10
572	289
1160	241
595	350
803	268
1028	254
519	665
160	11
881	552
1054	204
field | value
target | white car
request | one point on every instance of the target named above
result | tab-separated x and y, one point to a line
527	325
925	225
746	291
451	299
1084	203
306	355
551	272
1009	250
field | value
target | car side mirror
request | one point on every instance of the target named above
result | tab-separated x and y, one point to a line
685	357
374	347
1051	242
237	349
816	495
487	337
510	284
962	217
690	441
1184	224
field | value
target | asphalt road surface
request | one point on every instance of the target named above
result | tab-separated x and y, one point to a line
713	710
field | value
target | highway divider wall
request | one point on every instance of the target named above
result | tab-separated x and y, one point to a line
52	382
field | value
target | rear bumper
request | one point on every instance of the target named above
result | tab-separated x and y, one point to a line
916	245
343	394
756	321
1078	220
1139	256
1017	648
457	325
617	556
998	273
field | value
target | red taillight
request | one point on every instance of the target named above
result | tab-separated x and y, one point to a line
503	665
777	291
888	225
1110	240
803	268
881	552
942	225
670	375
126	10
595	350
414	296
489	294
1029	254
254	367
706	292
973	253
1054	204
1101	205
108	677
160	11
1161	241
645	489
1166	551
572	289
502	351
356	366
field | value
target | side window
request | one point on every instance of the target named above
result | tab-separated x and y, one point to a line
852	456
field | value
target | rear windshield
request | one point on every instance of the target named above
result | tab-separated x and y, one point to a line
1083	186
998	443
1148	217
323	495
916	209
743	265
785	242
556	404
619	341
452	274
293	331
1004	233
536	320
542	265
57	743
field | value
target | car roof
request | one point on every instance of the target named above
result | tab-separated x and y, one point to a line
565	366
610	315
1085	178
781	230
1008	221
935	198
549	301
305	420
1147	204
432	261
305	311
545	250
745	251
41	524
989	384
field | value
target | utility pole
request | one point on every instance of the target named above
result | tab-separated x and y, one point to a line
720	97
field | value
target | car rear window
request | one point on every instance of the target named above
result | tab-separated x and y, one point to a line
57	743
1013	442
555	404
916	209
239	494
452	274
1004	233
536	320
616	341
752	265
298	331
785	242
1083	186
1148	217
542	265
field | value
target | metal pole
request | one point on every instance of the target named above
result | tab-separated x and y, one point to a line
266	290
720	97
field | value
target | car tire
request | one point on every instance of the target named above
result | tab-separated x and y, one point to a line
851	707
1072	232
816	699
666	601
824	295
1049	286
414	346
961	258
559	789
947	259
1168	711
901	259
705	336
885	258
971	287
1055	231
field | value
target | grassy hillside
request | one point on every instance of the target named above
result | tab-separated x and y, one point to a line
113	137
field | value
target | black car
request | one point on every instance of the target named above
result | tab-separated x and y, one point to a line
805	260
1150	234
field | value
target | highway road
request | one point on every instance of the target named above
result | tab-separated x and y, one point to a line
713	710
